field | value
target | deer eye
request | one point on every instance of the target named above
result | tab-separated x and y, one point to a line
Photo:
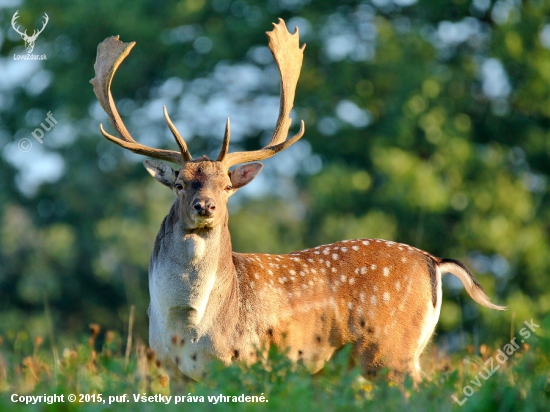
179	187
228	188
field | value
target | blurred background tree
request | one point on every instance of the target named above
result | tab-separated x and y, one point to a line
426	123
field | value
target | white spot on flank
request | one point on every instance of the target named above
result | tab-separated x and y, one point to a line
363	270
366	242
344	249
352	281
313	271
327	263
302	273
252	285
397	286
386	272
375	288
373	267
355	247
362	297
256	276
350	305
373	299
270	272
356	271
386	297
333	270
304	286
292	272
335	256
310	260
310	283
317	252
343	278
326	251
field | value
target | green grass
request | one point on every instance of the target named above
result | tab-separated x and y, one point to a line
27	367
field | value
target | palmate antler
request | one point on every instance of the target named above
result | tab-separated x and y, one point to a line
110	53
288	55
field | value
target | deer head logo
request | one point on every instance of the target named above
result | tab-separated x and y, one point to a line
29	40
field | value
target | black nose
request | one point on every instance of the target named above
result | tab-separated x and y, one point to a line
205	206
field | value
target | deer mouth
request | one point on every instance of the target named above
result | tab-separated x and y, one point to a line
203	222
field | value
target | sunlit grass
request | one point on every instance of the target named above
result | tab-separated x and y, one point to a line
98	365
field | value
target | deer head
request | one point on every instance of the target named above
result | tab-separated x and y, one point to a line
202	185
29	40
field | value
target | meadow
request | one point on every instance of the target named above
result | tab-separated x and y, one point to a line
105	374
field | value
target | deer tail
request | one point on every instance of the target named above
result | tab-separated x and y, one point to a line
474	289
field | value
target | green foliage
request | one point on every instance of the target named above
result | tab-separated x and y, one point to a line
99	367
406	140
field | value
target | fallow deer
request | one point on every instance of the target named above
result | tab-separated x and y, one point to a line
208	301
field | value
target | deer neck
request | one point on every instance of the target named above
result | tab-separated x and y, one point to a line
200	263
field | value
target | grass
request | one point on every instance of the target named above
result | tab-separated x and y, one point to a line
99	365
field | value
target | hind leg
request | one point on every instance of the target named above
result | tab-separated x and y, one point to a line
430	322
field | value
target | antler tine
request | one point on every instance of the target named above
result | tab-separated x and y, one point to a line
110	53
225	144
236	158
185	154
288	55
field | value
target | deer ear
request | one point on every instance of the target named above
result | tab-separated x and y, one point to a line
161	171
243	175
